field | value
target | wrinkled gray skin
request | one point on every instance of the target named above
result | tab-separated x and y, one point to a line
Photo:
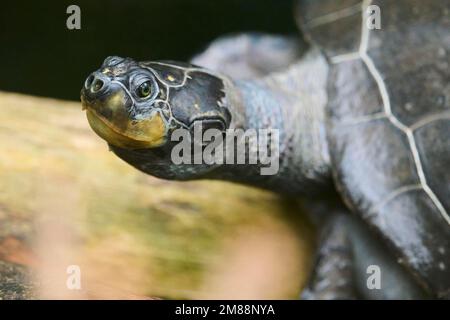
364	111
347	247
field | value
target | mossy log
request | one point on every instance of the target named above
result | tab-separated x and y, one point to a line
65	200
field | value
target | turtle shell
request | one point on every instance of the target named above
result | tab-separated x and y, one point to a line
389	122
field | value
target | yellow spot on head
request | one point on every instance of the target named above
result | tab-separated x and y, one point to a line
170	78
111	122
147	133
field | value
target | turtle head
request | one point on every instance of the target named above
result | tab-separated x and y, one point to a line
138	105
119	99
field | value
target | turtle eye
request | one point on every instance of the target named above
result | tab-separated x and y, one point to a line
144	90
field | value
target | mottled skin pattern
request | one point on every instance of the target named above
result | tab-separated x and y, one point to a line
369	110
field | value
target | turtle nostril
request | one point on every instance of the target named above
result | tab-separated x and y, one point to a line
88	82
97	85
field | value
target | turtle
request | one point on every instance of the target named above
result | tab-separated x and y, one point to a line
362	116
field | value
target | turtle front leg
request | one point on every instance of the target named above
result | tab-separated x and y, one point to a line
353	264
332	275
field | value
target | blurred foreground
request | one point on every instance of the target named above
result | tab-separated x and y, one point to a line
65	200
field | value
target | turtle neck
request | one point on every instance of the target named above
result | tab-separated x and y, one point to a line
293	104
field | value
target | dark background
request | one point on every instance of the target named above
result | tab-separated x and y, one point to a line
40	56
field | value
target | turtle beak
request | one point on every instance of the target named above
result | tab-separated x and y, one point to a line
107	104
